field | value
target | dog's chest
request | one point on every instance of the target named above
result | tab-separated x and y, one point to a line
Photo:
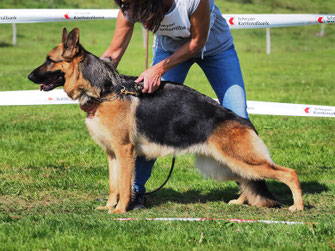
98	132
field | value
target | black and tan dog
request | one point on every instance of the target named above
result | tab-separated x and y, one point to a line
174	120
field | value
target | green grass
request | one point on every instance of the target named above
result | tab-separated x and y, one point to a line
51	171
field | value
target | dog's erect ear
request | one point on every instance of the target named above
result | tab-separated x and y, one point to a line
64	36
73	38
71	44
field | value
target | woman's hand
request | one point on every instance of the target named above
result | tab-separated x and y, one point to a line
200	20
151	79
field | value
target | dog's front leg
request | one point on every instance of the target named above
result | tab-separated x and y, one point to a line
113	183
125	156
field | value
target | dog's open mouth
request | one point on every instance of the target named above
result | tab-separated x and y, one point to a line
50	84
48	87
48	80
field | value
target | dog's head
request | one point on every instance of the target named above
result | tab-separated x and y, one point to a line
81	73
52	73
71	66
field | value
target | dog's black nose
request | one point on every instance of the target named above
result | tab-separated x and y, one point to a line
31	76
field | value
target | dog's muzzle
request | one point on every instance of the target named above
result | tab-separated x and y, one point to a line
47	80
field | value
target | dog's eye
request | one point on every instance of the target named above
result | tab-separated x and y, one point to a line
49	61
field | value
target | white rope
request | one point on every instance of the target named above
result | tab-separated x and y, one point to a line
211	219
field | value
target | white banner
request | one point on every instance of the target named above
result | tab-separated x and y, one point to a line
35	97
286	109
252	21
235	21
59	97
54	15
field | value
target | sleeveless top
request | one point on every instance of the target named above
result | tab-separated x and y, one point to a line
174	30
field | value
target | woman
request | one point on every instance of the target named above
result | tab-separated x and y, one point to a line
186	32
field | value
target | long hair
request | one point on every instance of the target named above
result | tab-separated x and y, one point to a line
148	12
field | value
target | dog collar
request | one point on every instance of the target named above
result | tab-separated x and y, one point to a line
123	91
91	107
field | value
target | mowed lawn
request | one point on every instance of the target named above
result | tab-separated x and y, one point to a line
52	174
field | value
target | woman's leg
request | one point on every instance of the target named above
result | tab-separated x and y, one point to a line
224	74
177	74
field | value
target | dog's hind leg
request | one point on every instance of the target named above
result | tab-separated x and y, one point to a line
290	178
255	193
247	156
113	184
285	175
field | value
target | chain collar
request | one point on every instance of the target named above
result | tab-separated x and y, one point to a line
123	91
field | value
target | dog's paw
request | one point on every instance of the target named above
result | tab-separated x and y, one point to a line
105	208
295	208
236	202
117	211
271	204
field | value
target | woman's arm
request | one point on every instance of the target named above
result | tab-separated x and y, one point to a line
122	35
200	20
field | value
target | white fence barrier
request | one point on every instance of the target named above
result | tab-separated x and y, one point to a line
235	21
59	97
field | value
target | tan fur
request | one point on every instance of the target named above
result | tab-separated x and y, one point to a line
75	82
246	155
113	127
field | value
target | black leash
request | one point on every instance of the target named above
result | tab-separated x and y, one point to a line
167	179
154	191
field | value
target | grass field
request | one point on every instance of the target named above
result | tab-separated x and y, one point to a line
52	173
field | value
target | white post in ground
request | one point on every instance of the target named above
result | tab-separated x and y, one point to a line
14	35
322	32
268	41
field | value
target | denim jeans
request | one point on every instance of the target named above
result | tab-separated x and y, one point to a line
223	73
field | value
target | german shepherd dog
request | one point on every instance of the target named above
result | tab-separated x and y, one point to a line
173	120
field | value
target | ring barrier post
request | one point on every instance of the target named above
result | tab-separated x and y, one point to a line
14	35
268	41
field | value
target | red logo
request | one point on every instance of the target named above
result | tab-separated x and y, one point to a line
50	99
231	21
320	20
67	16
307	109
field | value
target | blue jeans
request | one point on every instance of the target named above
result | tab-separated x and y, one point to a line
223	73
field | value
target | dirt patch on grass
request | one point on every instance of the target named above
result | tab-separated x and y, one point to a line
29	203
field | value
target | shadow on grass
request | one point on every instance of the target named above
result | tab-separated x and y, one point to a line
4	44
310	187
280	191
313	187
194	196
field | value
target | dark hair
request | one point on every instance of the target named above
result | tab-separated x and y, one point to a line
148	12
